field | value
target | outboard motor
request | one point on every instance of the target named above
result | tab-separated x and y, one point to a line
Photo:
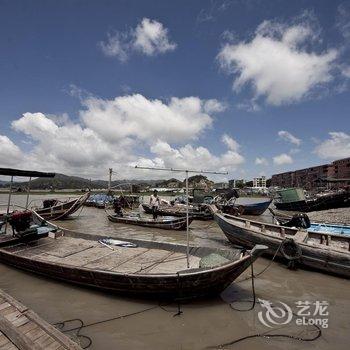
299	221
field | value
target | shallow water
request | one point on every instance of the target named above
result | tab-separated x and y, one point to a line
203	323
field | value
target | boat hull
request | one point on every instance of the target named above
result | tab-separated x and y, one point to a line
315	258
341	200
186	284
169	211
174	224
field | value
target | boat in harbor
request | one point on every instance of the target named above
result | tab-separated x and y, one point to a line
196	212
99	200
162	222
254	209
326	252
55	209
139	268
293	199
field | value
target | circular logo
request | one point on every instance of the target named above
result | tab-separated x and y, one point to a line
274	315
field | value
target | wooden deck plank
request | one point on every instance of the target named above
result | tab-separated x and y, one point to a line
25	330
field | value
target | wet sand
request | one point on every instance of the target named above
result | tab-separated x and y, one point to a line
203	323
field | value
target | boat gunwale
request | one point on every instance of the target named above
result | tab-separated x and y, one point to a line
279	238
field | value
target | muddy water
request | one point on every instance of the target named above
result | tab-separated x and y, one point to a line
202	323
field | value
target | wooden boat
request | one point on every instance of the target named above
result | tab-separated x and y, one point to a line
245	209
152	269
56	210
339	199
163	222
320	251
197	213
99	200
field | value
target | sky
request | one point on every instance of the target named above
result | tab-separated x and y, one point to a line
246	87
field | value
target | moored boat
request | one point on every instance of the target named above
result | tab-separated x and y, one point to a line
54	209
197	213
246	209
325	252
151	269
324	201
163	222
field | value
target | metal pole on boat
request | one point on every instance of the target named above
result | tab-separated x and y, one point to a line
9	203
187	229
28	191
110	180
186	171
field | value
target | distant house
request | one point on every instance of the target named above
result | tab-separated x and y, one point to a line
259	182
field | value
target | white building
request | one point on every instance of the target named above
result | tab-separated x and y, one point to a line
259	182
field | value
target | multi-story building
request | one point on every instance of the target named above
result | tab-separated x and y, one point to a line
259	181
311	177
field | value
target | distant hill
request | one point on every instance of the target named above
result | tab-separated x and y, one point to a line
61	181
171	183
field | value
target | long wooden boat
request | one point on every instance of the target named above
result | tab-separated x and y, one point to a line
200	213
321	251
152	269
324	202
163	222
246	209
61	210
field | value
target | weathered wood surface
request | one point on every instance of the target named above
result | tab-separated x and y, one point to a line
325	252
21	328
153	269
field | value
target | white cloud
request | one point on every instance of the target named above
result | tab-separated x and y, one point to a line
10	154
337	146
150	38
189	157
136	116
117	133
261	161
116	46
277	63
282	159
231	144
214	106
343	19
287	136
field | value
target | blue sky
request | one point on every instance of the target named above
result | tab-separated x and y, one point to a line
251	87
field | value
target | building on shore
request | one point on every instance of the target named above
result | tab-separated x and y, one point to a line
236	183
313	177
259	182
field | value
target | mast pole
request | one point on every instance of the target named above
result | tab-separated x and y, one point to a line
187	228
28	191
110	180
186	171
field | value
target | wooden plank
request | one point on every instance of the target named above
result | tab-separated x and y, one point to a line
9	346
16	337
27	327
4	306
52	331
13	301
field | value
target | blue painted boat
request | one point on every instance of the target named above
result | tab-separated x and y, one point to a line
330	228
245	209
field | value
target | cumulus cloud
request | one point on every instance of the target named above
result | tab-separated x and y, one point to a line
336	146
261	161
118	133
282	159
287	136
136	116
149	37
10	154
189	157
278	63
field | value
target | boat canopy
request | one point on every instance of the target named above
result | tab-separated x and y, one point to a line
25	173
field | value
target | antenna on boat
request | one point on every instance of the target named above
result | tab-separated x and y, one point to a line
186	171
110	180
